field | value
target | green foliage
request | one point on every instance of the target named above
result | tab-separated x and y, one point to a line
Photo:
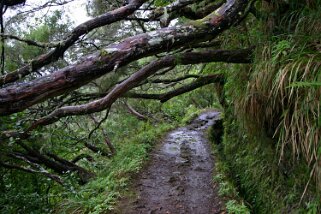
191	113
266	185
45	30
272	120
305	84
161	3
234	208
29	196
22	192
113	176
181	108
286	64
313	207
227	187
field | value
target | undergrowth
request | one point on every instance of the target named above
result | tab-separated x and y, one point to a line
100	195
227	189
272	144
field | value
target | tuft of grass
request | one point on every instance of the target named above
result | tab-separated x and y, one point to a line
290	112
282	95
191	113
233	207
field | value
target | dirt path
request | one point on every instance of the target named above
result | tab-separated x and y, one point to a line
179	176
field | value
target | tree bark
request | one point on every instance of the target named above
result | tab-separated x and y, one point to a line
57	164
95	149
33	171
138	115
136	78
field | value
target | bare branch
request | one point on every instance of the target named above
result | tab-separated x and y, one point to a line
95	149
28	41
202	81
38	168
82	156
98	124
138	115
84	28
168	81
240	56
17	97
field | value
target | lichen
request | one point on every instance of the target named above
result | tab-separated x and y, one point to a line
103	52
153	34
155	41
111	50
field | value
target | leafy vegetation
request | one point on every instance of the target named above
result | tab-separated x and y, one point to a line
227	188
271	142
114	175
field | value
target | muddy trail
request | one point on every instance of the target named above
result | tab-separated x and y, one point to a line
178	178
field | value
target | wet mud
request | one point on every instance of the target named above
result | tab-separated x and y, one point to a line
178	178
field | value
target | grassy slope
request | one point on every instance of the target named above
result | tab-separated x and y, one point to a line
272	135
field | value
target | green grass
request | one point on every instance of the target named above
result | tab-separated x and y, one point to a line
269	187
272	121
233	207
227	188
114	176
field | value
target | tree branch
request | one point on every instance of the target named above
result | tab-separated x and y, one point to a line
31	162
84	28
17	97
105	135
29	170
132	111
168	81
202	81
200	13
236	56
28	41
